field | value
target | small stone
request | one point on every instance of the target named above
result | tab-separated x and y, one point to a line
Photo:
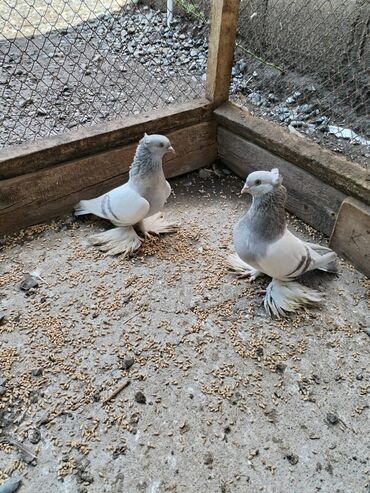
272	98
25	102
45	418
28	283
259	352
367	331
305	108
292	459
2	318
205	173
96	396
280	367
10	486
208	459
359	376
34	436
36	372
2	390
128	362
140	398
297	123
255	98
332	418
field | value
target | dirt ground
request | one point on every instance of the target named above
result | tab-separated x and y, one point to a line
221	398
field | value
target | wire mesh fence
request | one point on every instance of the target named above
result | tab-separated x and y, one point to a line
67	63
306	64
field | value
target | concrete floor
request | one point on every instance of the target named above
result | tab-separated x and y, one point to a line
234	402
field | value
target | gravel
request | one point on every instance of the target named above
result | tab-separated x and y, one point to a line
128	62
230	393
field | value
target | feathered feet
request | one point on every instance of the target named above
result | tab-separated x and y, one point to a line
241	268
156	225
125	240
283	298
121	240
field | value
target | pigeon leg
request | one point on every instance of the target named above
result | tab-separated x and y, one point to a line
242	269
250	274
156	225
121	240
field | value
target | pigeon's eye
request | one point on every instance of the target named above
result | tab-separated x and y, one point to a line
257	182
161	144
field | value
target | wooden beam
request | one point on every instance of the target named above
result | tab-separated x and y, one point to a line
33	156
351	235
308	197
221	44
335	170
46	193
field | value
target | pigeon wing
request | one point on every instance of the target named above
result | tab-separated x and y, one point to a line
287	258
123	206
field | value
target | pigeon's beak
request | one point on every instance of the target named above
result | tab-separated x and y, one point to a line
245	189
171	149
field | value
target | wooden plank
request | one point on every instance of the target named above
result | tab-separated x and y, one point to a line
33	156
308	197
45	194
351	235
345	175
221	43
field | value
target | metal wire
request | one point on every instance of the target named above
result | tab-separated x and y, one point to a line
306	64
67	63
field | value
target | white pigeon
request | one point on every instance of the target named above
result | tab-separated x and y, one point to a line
264	245
135	206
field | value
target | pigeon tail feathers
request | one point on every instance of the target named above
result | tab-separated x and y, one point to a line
92	206
283	298
327	263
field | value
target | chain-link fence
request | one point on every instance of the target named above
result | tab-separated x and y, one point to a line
306	65
66	63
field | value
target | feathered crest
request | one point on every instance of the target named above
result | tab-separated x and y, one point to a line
277	179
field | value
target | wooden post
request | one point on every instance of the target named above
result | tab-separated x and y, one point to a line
221	45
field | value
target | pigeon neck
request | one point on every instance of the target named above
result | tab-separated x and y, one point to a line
144	163
269	211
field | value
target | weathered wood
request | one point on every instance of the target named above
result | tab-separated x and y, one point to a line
223	25
45	194
33	156
308	197
346	176
351	235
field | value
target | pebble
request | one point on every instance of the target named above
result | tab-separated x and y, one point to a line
34	436
36	372
128	362
292	459
208	459
205	173
2	390
2	318
332	418
305	108
255	98
280	367
297	123
28	283
10	486
140	398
